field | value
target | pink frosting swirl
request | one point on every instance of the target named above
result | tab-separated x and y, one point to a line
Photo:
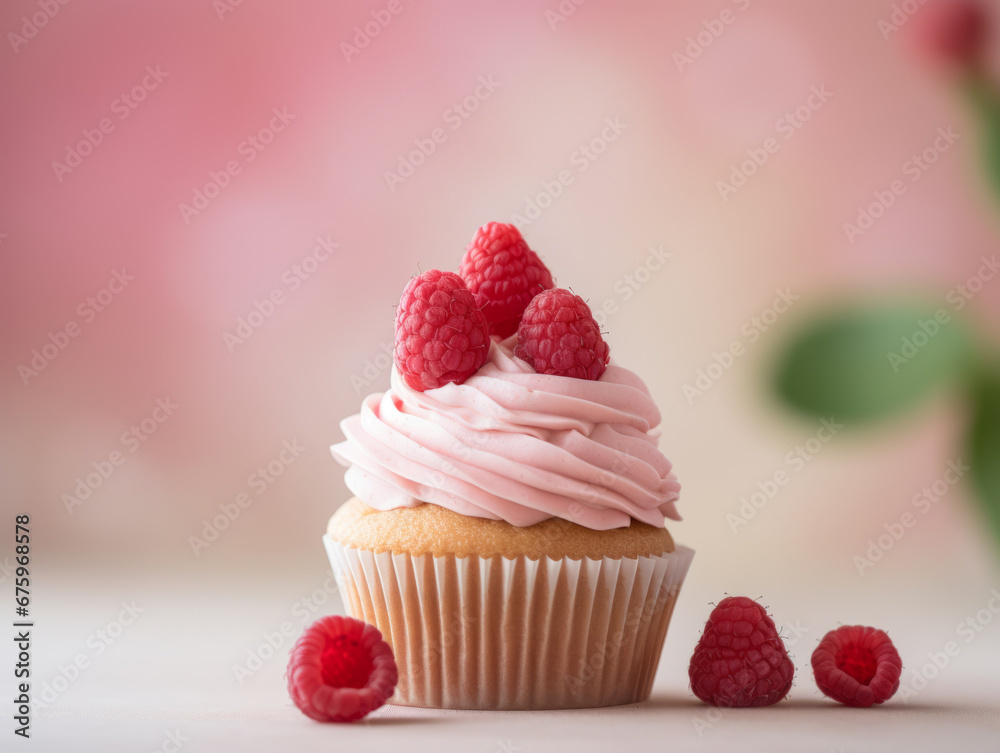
511	444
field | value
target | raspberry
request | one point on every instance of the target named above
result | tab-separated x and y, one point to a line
740	659
340	669
558	335
441	335
504	275
857	665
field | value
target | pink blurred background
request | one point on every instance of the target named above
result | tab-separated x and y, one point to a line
553	83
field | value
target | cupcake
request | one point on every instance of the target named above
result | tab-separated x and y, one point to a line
507	531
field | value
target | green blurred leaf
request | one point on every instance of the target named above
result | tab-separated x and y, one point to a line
872	360
983	446
985	100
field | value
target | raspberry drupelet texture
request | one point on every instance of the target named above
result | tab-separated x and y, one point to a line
558	335
340	670
857	665
740	659
441	335
503	274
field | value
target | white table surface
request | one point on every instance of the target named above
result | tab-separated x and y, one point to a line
171	673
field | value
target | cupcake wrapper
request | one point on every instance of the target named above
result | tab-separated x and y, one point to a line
497	633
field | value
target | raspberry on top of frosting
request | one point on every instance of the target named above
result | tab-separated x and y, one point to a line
441	334
511	444
504	275
559	335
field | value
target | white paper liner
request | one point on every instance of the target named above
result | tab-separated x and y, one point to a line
497	633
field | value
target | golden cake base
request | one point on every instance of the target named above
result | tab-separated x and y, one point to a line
483	617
